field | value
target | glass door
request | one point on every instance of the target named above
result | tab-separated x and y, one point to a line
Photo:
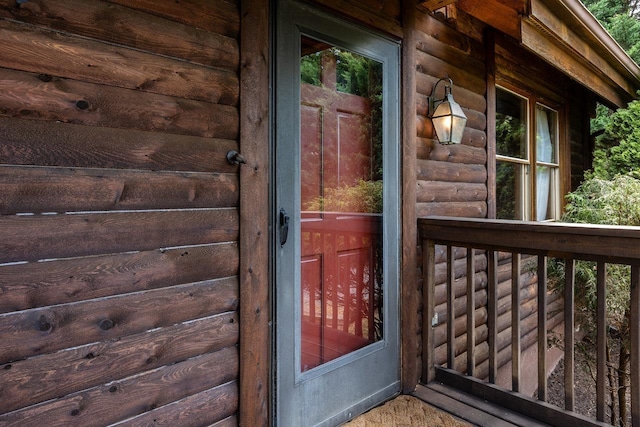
337	234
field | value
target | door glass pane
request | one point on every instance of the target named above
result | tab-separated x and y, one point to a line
341	202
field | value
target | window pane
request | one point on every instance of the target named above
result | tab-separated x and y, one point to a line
510	190
547	193
546	124
511	125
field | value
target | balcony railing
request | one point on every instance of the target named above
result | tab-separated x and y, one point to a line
482	240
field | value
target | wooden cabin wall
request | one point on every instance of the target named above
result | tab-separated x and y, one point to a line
118	212
451	179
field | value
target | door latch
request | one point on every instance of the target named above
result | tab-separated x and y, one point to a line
284	226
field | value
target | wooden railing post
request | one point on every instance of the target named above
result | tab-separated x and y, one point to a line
492	311
471	312
428	310
515	321
634	331
542	328
451	315
601	333
569	334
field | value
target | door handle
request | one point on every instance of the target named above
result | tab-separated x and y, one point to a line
284	226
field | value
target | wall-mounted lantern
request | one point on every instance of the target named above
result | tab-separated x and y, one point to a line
446	114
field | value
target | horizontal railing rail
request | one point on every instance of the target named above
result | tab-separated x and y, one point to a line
489	240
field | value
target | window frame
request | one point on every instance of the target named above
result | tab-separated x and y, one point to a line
530	165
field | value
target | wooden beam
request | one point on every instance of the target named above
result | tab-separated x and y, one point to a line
255	356
432	5
409	290
494	13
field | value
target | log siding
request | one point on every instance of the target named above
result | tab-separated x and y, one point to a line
119	222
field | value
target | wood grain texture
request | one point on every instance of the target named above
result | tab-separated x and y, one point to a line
33	380
122	399
30	285
254	273
438	191
30	142
431	149
379	14
212	405
409	296
221	16
46	189
129	27
430	170
44	330
49	98
42	51
36	237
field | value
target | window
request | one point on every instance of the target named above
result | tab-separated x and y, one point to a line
527	164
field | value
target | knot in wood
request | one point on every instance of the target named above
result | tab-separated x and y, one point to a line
106	324
82	104
43	324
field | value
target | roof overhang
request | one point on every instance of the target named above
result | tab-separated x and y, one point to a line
568	36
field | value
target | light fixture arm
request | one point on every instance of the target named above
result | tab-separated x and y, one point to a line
447	91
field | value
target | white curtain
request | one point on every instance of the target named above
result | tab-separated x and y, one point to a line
544	153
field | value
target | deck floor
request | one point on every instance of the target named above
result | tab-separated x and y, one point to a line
472	409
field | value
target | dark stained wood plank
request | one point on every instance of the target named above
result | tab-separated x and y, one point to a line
569	334
484	406
459	408
618	244
129	27
409	295
227	422
516	334
199	409
30	285
451	300
122	399
43	189
45	330
438	191
470	79
430	170
436	36
491	122
254	273
471	311
428	311
54	375
49	98
454	209
31	142
36	237
601	341
28	48
494	13
492	315
380	14
431	149
219	16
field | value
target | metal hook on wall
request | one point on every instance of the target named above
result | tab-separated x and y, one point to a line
234	158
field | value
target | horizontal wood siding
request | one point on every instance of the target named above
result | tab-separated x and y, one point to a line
119	220
451	179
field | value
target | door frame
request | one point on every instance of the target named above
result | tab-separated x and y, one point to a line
392	200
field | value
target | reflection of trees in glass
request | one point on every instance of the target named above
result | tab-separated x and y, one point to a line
505	191
510	132
355	75
365	197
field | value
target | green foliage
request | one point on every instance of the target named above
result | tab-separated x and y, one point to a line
618	147
600	201
364	197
